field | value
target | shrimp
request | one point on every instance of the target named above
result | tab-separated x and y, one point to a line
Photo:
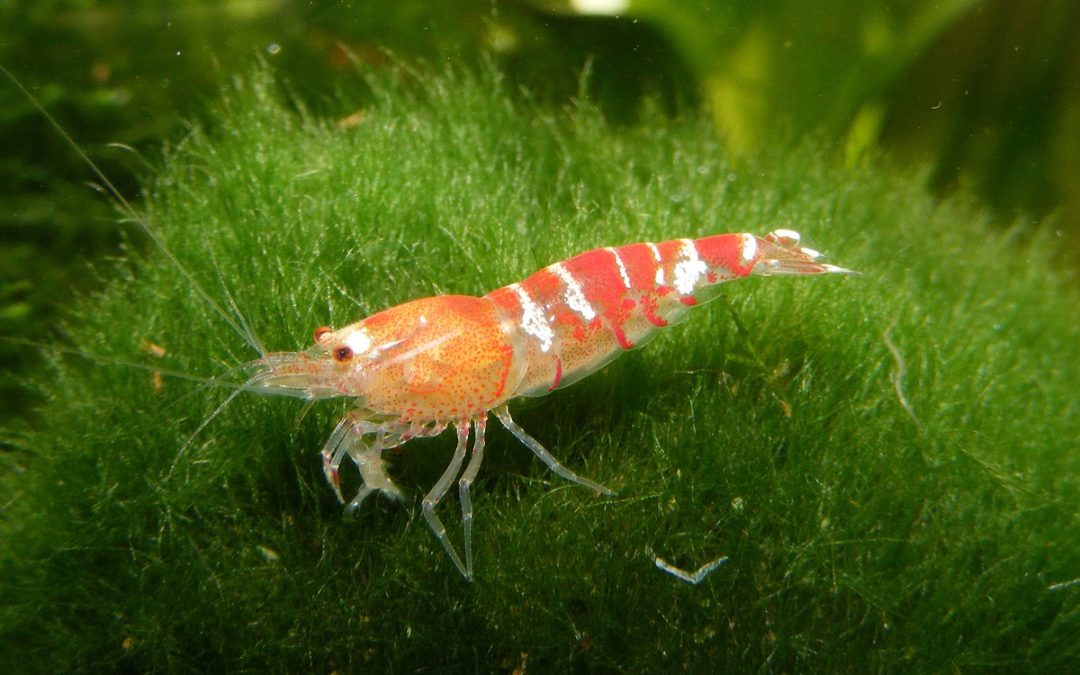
449	360
421	367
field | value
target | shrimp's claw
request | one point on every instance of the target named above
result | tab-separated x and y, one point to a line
370	463
363	440
353	506
779	252
330	470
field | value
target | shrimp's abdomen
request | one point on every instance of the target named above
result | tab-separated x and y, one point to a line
575	316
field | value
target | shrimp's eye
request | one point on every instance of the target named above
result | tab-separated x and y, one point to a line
342	354
320	332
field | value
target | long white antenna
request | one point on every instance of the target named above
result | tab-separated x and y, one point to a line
119	197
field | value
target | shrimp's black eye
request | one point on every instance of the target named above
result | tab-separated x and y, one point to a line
342	354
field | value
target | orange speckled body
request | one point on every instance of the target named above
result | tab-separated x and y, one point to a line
436	359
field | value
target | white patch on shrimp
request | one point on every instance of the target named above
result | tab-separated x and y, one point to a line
689	269
786	237
748	250
575	295
358	341
623	274
659	263
533	320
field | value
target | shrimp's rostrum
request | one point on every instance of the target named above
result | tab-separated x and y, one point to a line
417	368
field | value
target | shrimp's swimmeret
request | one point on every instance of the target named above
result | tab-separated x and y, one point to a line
449	360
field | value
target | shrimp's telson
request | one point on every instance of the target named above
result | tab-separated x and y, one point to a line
417	368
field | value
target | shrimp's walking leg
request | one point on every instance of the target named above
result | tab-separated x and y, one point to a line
503	413
467	478
432	499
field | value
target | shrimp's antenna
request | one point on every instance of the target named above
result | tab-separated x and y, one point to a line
205	423
252	339
218	381
133	215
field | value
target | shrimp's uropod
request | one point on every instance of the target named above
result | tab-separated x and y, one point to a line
449	360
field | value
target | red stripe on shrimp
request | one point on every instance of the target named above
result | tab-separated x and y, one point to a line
562	296
507	302
605	285
670	252
641	262
728	256
558	375
640	265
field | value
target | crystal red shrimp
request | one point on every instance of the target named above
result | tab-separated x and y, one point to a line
417	368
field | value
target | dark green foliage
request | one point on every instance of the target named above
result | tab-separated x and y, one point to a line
889	460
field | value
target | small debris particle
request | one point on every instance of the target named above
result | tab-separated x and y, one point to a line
352	120
152	348
268	553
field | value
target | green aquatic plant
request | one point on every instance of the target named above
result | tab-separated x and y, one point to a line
888	461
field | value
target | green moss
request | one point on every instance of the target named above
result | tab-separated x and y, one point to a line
771	427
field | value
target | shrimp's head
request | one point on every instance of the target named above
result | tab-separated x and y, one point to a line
438	358
330	368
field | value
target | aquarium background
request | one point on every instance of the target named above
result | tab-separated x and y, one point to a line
889	461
